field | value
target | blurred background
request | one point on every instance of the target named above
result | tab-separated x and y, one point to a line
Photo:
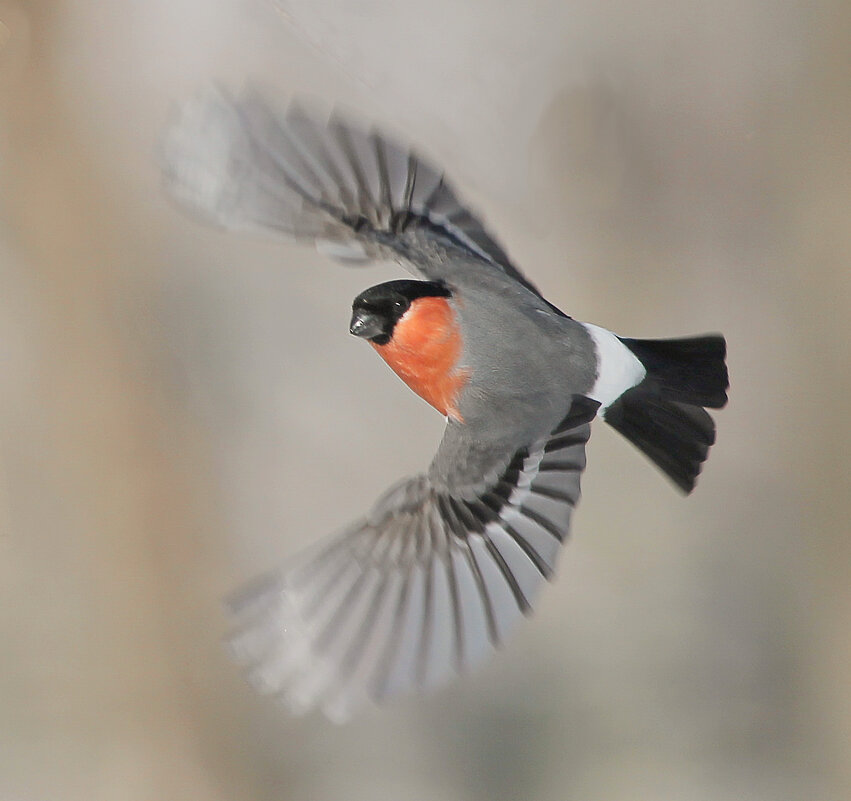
181	408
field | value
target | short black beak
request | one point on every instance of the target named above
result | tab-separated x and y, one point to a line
364	324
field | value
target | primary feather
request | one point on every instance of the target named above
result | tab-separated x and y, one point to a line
425	587
241	163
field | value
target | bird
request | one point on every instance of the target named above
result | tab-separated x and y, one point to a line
436	575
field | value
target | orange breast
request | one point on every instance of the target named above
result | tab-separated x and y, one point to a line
424	353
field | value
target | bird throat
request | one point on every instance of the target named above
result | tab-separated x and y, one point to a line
424	352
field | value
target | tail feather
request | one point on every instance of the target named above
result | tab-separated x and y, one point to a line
664	415
688	370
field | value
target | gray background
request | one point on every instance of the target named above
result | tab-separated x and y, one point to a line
181	408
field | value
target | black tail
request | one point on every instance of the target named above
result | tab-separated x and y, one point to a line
663	415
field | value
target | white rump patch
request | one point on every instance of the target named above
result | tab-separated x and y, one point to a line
618	368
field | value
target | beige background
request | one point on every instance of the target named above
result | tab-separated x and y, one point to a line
181	408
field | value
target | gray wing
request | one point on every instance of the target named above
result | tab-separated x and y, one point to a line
423	588
358	196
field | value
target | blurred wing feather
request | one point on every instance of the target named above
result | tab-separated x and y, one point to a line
425	587
357	196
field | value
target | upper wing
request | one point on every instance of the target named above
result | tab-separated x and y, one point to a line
428	585
357	195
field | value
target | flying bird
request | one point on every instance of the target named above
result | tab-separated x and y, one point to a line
437	573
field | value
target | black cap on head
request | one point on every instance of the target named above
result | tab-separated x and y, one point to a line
376	310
